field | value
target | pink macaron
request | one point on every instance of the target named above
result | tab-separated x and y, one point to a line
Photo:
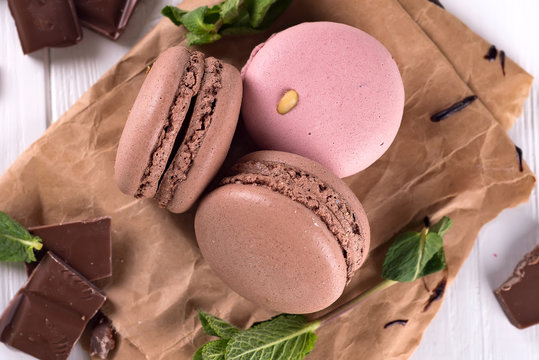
350	96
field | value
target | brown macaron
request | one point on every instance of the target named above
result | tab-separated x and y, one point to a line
179	129
283	231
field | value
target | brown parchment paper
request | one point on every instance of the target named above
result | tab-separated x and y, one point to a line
464	167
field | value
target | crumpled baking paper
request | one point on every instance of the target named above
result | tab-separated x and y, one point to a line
464	167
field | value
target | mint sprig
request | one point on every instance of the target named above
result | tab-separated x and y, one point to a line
231	17
291	337
16	243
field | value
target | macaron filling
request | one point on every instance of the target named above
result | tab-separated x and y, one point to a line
200	122
187	90
311	192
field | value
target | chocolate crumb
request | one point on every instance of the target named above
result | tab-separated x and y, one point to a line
519	158
436	2
395	322
437	293
458	106
102	339
492	54
502	61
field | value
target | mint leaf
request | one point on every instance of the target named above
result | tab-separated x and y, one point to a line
435	264
201	20
230	17
16	243
276	10
201	39
288	337
441	226
214	350
198	354
174	14
230	10
212	325
409	254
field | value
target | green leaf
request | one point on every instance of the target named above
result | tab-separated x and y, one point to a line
201	39
195	21
441	226
214	350
409	254
198	354
285	337
435	264
16	243
276	10
174	14
230	10
231	17
212	325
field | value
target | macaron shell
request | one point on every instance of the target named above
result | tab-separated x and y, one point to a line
332	180
147	118
215	144
282	256
351	95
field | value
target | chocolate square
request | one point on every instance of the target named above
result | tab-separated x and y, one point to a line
45	23
519	295
83	245
49	313
107	17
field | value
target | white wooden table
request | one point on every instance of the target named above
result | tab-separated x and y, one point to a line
35	90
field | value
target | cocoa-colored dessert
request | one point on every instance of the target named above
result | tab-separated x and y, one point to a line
51	23
179	129
106	17
283	231
519	295
48	314
83	245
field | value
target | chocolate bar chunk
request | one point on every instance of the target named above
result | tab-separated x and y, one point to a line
45	23
49	313
102	339
107	17
83	245
519	295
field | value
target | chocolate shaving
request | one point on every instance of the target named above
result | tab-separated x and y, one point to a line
437	293
439	116
395	322
502	61
519	158
436	2
492	54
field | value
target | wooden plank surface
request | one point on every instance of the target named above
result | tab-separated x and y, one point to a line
35	90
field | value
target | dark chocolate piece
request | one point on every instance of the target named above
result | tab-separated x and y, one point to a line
519	295
48	314
439	116
45	23
102	339
106	17
492	54
396	322
502	61
437	293
437	2
83	245
519	158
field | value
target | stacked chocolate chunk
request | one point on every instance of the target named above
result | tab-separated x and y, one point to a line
49	313
55	23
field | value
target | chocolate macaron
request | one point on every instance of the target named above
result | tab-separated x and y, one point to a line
283	231
179	129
